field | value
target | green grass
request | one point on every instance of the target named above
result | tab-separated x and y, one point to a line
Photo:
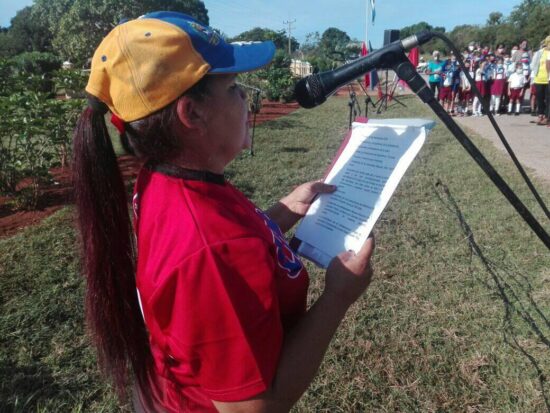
456	320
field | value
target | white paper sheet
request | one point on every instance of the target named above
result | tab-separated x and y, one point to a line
366	174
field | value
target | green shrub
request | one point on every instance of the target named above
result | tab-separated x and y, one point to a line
35	134
38	63
280	84
23	148
70	82
60	117
14	79
276	81
31	71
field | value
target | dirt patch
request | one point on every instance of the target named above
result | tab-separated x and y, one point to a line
60	193
274	110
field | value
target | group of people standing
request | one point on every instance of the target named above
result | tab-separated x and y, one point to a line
503	77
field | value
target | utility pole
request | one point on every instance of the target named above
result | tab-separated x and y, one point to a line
289	37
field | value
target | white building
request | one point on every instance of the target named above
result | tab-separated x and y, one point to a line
300	68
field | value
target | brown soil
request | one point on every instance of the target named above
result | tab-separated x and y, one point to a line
55	196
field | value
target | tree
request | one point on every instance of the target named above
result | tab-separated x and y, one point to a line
279	38
415	28
530	20
333	40
524	12
495	18
25	34
8	47
311	43
462	35
436	44
78	26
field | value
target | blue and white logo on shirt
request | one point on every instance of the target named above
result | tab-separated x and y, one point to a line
286	258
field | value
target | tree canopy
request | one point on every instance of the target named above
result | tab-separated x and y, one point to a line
261	34
27	33
74	28
329	49
334	40
529	20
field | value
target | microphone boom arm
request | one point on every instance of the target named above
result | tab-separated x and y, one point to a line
313	90
407	72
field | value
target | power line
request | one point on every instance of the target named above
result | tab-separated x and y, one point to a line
289	36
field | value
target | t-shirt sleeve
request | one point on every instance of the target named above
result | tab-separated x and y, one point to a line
224	324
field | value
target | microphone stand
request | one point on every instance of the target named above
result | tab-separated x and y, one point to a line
383	102
368	99
354	107
407	72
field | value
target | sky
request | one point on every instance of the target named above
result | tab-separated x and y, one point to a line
236	16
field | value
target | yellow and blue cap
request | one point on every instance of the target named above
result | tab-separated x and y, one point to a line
144	64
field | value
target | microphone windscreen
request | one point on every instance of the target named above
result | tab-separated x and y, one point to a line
302	95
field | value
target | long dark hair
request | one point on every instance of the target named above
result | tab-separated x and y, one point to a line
107	244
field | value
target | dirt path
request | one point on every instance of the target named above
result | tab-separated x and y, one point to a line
59	194
530	142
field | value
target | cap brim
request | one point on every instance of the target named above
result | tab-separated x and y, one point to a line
243	57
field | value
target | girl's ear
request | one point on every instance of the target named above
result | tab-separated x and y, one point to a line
191	113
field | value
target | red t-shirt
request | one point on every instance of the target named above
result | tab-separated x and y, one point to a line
218	285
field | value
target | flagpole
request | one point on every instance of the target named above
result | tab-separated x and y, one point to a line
367	25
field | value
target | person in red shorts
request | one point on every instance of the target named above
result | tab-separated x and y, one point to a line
447	82
516	81
202	304
498	82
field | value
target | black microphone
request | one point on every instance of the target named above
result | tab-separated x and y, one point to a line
314	89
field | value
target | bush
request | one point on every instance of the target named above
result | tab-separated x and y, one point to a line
15	79
276	81
280	84
34	71
35	130
23	149
37	63
35	134
71	82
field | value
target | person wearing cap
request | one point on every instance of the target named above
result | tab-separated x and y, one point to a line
219	321
539	76
435	67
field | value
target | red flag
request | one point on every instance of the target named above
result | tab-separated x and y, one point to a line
413	56
365	52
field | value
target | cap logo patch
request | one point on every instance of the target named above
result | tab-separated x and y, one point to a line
206	33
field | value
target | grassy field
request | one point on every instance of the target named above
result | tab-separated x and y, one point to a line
457	319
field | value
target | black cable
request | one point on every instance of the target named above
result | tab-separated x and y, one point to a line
407	72
494	123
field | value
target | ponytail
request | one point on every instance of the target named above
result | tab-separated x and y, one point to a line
108	257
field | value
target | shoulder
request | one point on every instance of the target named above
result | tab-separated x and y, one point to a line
177	219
